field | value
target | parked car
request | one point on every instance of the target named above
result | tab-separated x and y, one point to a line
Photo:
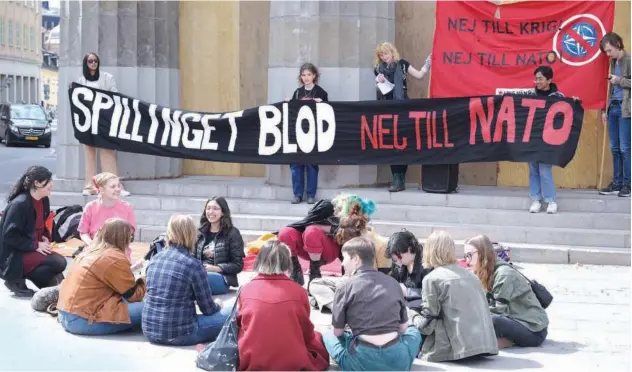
24	123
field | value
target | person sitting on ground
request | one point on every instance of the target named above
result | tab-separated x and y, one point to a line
175	281
454	314
25	250
107	205
354	224
219	246
517	315
274	304
312	239
406	252
100	296
372	305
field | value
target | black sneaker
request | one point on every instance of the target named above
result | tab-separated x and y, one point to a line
625	191
612	189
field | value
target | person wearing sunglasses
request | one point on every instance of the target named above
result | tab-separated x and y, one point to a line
94	78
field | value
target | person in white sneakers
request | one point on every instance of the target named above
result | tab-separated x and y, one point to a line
541	183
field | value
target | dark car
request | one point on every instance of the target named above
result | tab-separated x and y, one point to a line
24	123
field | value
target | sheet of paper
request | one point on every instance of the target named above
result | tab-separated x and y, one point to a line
385	87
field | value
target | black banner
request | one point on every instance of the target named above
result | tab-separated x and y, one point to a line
418	131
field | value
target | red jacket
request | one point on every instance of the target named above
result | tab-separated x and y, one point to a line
275	332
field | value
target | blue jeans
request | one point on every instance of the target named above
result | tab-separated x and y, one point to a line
217	283
353	356
80	326
205	330
619	133
298	179
541	183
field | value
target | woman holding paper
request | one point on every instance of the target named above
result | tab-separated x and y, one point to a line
390	74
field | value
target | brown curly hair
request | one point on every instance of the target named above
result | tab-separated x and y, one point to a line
352	225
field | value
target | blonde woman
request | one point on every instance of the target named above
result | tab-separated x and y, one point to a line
389	67
518	317
100	295
272	303
107	205
176	280
93	77
454	314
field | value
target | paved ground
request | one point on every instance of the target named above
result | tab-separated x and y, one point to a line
590	330
14	160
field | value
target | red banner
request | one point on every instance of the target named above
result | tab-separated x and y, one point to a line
482	49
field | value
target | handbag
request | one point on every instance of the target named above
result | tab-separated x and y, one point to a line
541	293
222	354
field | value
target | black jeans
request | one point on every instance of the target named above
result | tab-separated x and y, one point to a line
45	274
517	333
399	168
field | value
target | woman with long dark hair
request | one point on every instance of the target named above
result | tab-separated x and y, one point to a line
94	78
25	249
219	246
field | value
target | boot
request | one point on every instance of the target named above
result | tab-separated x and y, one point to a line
19	288
398	183
314	270
297	271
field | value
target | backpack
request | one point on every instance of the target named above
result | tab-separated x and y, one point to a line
157	245
66	223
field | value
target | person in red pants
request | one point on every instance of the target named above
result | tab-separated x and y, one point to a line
313	239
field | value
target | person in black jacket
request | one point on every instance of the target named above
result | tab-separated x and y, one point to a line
25	250
219	246
308	91
406	252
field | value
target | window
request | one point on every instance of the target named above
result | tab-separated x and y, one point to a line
1	31
25	37
32	38
18	41
10	33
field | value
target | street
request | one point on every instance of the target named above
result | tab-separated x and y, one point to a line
14	160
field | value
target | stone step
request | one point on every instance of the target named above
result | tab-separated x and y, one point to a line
385	211
520	252
481	197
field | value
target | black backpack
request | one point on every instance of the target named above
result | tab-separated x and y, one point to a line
66	223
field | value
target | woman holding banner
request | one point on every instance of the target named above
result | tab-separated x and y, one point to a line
390	74
94	78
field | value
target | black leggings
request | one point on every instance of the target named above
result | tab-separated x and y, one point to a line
399	168
45	275
516	332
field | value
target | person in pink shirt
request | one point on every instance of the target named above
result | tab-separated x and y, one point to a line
107	205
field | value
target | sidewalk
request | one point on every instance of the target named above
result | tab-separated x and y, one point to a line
589	330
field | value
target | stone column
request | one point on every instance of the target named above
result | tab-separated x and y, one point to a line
138	43
339	37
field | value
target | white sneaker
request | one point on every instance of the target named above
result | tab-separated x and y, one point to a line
551	208
535	207
125	193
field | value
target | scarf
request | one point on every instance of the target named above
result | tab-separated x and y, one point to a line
393	73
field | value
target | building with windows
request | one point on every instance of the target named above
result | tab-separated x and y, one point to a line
20	51
49	79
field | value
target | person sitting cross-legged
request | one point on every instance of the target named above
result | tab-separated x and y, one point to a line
372	305
100	296
454	314
175	281
270	304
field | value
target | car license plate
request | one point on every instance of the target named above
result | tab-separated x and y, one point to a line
31	138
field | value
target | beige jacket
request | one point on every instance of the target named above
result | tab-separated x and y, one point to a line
623	82
455	316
